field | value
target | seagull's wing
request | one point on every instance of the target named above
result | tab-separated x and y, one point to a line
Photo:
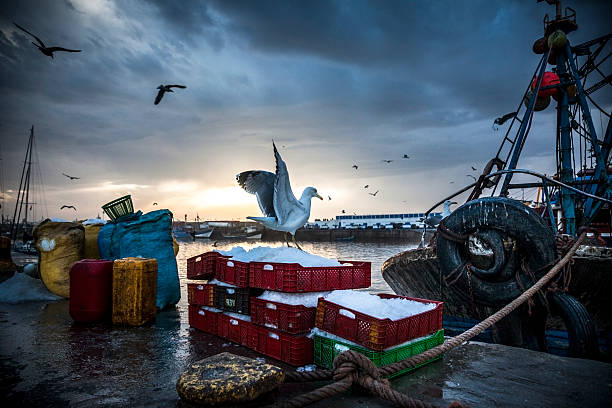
176	86
26	31
53	49
260	183
284	200
159	96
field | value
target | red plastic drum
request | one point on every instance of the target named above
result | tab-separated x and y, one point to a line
91	285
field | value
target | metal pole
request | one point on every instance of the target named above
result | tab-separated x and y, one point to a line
519	141
16	215
568	204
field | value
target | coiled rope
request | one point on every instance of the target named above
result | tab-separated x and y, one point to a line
351	367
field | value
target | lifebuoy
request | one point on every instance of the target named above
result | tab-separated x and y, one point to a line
510	234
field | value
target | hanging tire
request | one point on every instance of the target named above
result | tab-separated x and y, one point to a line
511	235
580	327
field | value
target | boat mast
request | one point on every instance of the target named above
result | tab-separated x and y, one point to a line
24	186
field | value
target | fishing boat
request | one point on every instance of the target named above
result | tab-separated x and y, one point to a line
204	234
493	247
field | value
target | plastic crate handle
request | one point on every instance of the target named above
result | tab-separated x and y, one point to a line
271	306
234	322
200	287
201	312
347	313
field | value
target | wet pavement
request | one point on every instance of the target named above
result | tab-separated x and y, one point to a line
47	360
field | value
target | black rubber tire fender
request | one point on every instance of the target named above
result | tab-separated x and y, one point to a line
505	216
580	327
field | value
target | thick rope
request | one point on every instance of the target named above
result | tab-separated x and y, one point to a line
352	367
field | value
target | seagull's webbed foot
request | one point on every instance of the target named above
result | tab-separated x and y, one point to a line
296	244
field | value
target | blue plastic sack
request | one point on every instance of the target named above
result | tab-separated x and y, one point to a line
148	236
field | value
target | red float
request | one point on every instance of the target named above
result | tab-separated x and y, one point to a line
91	285
549	78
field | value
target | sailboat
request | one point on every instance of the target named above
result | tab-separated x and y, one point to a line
21	228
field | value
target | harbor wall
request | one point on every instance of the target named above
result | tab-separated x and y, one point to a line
360	235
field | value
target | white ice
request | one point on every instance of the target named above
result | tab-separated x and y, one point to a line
309	299
279	255
94	221
394	308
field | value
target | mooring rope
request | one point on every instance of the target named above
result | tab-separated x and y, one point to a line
351	367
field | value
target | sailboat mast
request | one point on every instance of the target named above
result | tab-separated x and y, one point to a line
20	191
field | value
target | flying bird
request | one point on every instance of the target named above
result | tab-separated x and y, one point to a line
71	177
387	161
366	186
68	206
343	212
406	156
373	194
329	198
165	88
469	175
154	203
473	168
41	46
281	210
355	166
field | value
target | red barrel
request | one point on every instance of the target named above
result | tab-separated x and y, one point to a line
91	285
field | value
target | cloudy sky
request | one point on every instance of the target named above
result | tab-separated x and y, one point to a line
334	83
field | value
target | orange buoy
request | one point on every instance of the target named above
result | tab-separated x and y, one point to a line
548	79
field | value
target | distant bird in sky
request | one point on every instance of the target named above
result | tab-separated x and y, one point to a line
281	210
469	175
343	212
68	206
48	51
387	161
406	156
473	168
373	194
154	203
329	198
451	182
71	177
166	88
355	166
366	186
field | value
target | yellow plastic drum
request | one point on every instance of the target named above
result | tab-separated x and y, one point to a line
134	291
60	245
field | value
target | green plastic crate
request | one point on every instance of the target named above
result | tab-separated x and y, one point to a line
325	350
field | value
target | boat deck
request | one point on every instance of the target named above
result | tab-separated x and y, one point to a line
47	360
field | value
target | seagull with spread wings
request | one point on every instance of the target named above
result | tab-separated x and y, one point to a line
281	210
165	88
373	194
48	51
68	206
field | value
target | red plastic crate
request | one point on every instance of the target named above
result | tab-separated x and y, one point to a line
289	348
293	277
237	275
235	330
293	319
203	319
203	266
373	333
200	294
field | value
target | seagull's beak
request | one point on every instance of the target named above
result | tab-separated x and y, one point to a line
319	197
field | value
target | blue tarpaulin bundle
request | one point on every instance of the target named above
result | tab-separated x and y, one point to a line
148	236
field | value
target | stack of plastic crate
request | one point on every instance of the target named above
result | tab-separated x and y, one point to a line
202	315
280	328
384	341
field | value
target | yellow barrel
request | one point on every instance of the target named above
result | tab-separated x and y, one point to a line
134	290
60	245
91	241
